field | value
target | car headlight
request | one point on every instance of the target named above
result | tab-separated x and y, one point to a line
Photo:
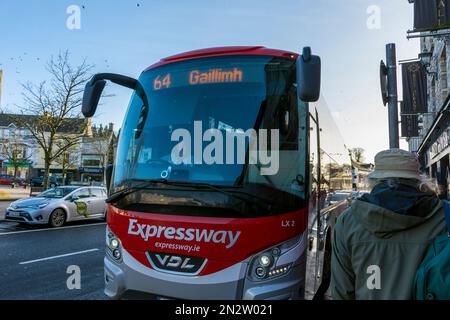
264	266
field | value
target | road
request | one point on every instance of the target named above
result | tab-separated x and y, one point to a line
34	260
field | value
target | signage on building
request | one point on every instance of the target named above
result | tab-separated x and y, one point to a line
431	15
92	170
440	145
414	88
410	124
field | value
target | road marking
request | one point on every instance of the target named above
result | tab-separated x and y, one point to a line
40	230
60	256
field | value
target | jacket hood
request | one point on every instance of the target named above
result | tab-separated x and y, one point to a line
383	222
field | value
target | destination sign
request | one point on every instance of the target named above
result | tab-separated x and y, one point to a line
199	77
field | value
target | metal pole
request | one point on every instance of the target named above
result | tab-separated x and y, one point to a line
391	60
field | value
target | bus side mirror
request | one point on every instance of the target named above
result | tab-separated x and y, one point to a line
308	76
108	175
91	97
94	88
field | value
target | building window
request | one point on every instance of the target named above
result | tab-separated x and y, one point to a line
441	12
443	75
92	161
433	94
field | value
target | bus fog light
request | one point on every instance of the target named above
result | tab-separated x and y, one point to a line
117	254
260	272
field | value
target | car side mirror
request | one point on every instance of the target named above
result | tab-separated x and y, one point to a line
74	198
308	76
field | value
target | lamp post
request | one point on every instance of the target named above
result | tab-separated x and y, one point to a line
425	58
388	79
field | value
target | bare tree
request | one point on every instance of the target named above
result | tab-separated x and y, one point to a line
68	160
358	154
14	150
55	105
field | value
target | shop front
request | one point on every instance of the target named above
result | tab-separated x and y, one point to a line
91	175
434	151
21	170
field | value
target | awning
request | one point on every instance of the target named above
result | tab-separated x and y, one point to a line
440	124
21	164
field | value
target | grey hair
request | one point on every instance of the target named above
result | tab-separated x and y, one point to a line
424	184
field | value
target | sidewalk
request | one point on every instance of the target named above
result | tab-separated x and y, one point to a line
9	194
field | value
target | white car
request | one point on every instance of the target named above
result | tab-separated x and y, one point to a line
60	205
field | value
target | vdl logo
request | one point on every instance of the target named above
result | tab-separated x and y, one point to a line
229	140
176	263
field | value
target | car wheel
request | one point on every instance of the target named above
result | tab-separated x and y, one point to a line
57	218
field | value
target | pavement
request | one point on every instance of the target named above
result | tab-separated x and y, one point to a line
9	194
35	260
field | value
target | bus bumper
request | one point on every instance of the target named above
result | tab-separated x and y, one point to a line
130	279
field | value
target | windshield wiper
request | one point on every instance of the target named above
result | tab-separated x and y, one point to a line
149	184
144	185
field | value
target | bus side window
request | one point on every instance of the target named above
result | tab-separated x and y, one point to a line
313	163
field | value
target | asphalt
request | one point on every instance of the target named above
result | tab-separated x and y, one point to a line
24	278
80	244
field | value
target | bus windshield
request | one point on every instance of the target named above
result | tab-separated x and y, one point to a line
165	133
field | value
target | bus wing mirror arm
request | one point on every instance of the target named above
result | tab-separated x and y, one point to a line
308	76
94	88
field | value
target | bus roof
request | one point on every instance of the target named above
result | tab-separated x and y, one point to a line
224	51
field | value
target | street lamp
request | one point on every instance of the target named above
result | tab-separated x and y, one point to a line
425	59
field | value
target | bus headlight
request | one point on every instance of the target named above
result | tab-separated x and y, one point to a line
114	243
265	260
113	246
265	265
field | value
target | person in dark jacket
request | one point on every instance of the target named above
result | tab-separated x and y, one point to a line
380	241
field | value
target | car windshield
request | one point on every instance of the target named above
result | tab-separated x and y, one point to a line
56	193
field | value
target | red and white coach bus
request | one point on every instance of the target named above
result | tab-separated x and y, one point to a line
187	219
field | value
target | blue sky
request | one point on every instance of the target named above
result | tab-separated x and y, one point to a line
120	36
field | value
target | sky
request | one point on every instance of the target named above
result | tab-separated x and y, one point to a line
125	36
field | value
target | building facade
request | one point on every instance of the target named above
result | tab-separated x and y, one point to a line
82	163
433	142
17	151
94	151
